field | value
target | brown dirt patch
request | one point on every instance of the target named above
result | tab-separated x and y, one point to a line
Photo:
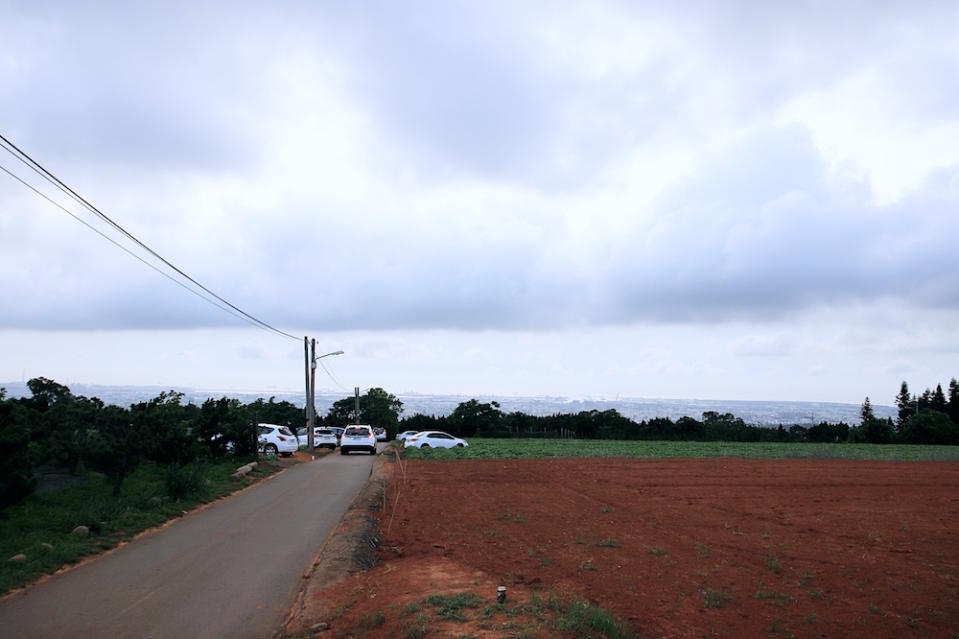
674	548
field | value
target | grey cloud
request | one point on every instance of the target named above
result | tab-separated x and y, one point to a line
748	241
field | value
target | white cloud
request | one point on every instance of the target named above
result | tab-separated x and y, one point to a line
494	169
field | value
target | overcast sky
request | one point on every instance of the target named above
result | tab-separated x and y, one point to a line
715	200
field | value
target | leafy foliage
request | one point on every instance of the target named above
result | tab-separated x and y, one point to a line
377	408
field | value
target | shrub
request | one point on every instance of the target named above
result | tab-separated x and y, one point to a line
182	481
16	464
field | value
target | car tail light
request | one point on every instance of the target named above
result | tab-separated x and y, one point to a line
281	438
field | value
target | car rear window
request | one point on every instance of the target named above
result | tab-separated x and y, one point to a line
324	431
357	432
285	431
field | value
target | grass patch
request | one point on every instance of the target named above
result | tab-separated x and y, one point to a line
657	552
609	542
522	448
780	598
451	606
557	613
584	619
772	564
370	621
714	598
49	518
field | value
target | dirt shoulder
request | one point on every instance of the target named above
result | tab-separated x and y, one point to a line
349	549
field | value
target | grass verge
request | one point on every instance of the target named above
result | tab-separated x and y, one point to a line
41	526
532	448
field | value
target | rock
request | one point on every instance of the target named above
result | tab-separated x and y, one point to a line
319	627
47	547
81	531
18	559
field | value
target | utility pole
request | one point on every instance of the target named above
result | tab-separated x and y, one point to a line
309	430
306	357
356	410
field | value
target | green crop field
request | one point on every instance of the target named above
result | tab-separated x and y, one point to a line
538	448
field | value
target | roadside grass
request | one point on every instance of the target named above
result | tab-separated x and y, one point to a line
533	448
41	526
553	613
714	598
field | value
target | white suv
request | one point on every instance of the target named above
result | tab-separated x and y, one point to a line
358	437
273	439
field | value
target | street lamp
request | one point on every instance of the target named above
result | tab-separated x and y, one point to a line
312	409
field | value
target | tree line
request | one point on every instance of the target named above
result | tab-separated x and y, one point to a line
57	428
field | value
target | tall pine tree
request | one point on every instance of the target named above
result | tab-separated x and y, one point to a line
953	407
905	403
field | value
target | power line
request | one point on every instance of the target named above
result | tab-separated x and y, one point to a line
23	157
118	245
330	375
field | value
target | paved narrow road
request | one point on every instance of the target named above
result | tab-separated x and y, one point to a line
231	570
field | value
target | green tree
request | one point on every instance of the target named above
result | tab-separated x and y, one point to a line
64	429
865	413
904	403
930	426
377	408
16	462
113	445
952	408
165	429
46	393
871	429
939	399
226	424
473	416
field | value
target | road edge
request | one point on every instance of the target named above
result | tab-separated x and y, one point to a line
349	548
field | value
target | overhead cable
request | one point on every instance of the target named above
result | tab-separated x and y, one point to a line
23	157
120	246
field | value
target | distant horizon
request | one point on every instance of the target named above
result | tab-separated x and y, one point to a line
768	413
417	393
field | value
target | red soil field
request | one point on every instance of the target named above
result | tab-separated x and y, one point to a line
673	548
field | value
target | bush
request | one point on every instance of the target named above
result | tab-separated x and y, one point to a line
182	481
16	463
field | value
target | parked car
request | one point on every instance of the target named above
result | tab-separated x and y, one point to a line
434	439
358	437
380	434
324	438
338	431
273	439
406	433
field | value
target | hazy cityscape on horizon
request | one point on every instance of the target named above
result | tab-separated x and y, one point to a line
761	412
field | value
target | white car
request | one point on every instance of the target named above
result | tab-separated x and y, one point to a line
324	438
380	434
434	439
358	437
273	439
406	433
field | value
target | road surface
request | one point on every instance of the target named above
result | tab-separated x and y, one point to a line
231	570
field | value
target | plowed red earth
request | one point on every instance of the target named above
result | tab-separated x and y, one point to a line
675	548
